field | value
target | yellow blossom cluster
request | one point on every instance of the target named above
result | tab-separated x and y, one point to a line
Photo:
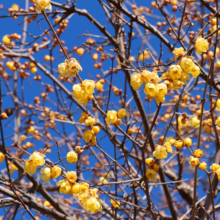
35	160
176	76
47	173
84	92
89	135
69	68
43	5
152	170
161	151
87	197
114	117
88	120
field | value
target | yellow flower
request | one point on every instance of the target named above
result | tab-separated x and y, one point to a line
178	52
89	86
144	56
2	157
55	172
43	5
45	174
84	99
171	140
62	70
203	166
201	45
88	135
115	203
195	71
195	122
30	130
168	147
148	76
103	180
79	188
214	167
194	161
77	90
93	204
150	89
99	84
90	121
111	117
30	167
6	39
83	117
71	176
80	94
175	72
187	142
95	129
73	67
160	152
218	121
198	153
93	141
35	160
72	157
178	144
149	161
159	99
65	186
136	81
187	64
162	89
151	174
121	113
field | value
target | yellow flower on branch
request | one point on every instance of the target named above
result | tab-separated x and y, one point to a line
43	5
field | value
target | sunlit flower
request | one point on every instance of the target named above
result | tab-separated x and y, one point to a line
201	45
88	135
89	86
121	113
65	186
136	81
203	166
43	5
175	72
71	176
160	152
111	117
90	121
35	160
187	64
72	157
55	172
151	173
149	161
178	52
45	174
194	161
